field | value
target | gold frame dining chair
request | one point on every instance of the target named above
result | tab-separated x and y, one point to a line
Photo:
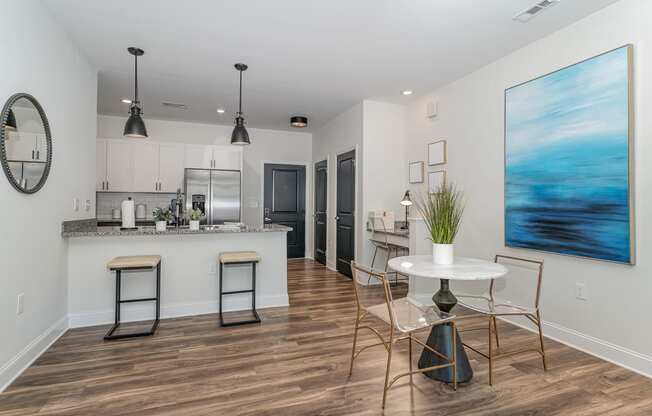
402	316
487	305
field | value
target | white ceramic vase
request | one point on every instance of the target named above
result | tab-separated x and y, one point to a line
194	225
161	226
443	253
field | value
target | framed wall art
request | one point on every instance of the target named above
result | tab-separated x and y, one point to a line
568	160
437	153
416	172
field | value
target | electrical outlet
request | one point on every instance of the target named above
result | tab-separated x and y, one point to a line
580	291
21	304
87	205
212	268
75	204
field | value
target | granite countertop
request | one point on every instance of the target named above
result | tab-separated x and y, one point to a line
89	228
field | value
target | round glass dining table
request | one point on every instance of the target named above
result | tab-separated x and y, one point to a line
463	268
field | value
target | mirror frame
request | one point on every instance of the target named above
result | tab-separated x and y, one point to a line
3	150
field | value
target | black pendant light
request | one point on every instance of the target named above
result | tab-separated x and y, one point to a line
11	121
240	135
135	126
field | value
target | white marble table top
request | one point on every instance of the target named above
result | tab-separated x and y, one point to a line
463	268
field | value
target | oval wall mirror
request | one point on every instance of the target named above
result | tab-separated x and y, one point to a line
25	143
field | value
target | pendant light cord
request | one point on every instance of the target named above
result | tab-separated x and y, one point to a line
240	105
136	78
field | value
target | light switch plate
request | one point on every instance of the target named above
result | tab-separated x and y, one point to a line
580	291
20	307
87	205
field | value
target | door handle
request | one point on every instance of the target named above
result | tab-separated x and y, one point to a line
337	218
268	219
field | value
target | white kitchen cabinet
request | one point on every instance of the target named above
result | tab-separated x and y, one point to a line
119	166
171	165
100	163
227	157
198	156
21	146
146	166
40	147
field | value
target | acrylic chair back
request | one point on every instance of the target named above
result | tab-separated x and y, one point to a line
372	288
378	224
524	277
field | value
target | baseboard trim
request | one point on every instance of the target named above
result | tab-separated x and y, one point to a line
21	361
615	354
139	313
605	350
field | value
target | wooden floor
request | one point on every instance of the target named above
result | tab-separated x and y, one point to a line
296	363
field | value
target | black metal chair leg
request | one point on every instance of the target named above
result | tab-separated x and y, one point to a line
253	298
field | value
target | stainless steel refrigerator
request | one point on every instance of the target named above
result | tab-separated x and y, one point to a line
215	192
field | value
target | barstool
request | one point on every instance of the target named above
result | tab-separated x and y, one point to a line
240	257
134	263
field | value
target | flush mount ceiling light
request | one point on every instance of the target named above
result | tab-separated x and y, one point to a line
406	92
529	13
220	111
299	121
240	135
135	126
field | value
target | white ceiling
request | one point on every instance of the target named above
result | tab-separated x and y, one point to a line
312	57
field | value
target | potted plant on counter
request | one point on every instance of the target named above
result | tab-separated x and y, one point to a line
442	213
195	215
162	217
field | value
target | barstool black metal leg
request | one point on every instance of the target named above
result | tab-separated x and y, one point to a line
221	295
118	302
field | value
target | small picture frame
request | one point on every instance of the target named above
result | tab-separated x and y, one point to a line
436	179
416	172
437	153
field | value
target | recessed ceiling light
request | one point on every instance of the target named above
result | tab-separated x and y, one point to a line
221	111
126	101
406	92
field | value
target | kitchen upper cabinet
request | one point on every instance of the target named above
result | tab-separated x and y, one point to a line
213	157
146	166
171	165
100	163
198	156
26	146
119	166
227	157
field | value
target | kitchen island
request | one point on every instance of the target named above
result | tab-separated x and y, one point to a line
189	281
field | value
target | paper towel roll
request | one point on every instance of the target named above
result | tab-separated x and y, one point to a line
128	214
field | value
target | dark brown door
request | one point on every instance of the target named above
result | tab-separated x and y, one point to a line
321	196
285	202
345	218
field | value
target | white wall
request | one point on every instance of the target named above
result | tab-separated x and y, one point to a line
340	135
43	62
266	146
614	321
385	174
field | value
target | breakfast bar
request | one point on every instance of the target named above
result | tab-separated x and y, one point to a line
189	279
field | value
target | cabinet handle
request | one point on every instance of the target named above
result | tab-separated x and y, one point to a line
38	155
32	155
104	185
107	185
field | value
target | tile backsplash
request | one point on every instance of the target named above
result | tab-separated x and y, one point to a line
107	201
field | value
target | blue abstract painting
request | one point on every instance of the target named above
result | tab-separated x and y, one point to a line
567	160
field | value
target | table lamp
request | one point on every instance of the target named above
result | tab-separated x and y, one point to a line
406	202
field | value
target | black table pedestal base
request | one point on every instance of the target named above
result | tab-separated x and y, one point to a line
440	340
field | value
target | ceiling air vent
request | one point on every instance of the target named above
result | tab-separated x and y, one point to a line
178	106
532	11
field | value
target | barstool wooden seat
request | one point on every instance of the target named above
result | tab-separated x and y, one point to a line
239	257
134	263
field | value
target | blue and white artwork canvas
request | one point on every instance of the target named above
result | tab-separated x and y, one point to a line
568	157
